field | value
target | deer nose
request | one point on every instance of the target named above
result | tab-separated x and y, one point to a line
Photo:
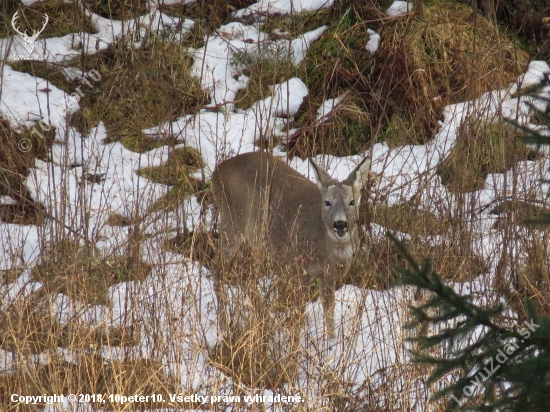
340	225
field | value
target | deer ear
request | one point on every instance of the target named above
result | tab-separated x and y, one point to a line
358	177
322	176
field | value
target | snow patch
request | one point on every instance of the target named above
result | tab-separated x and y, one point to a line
399	8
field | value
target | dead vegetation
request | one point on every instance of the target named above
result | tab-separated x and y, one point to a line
91	375
531	279
16	158
176	172
139	88
482	148
441	53
29	327
117	10
80	272
342	132
64	18
200	245
520	213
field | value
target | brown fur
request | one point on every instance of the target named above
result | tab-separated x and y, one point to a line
265	202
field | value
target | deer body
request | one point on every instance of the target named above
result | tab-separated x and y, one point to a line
311	227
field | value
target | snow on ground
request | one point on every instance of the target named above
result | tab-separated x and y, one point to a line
61	49
122	190
27	99
399	8
284	7
374	41
217	64
368	322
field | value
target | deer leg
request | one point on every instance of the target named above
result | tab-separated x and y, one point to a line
227	248
300	296
328	288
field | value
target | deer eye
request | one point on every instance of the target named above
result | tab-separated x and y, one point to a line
327	203
352	202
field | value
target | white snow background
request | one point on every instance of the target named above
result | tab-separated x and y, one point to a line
370	344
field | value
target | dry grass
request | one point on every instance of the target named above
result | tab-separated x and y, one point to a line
261	352
29	327
441	53
263	346
53	73
407	219
291	26
14	168
64	18
92	375
532	279
198	246
482	148
81	273
139	88
176	172
337	63
263	70
341	134
117	10
519	213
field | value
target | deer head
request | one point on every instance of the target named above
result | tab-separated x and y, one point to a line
29	40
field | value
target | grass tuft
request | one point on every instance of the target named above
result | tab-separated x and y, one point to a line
343	132
139	88
117	10
263	70
442	53
482	148
81	273
176	172
15	164
64	18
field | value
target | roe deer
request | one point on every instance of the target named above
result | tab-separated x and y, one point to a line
262	200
